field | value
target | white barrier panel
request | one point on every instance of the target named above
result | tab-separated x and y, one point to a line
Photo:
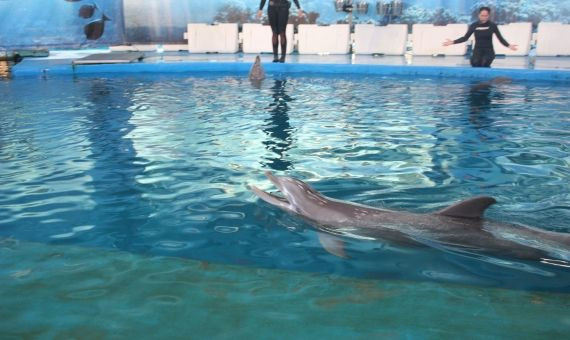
552	39
390	40
333	39
257	39
519	33
428	39
204	38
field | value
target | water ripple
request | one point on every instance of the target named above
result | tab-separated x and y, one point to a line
162	165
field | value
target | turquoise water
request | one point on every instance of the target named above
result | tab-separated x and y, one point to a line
76	293
160	166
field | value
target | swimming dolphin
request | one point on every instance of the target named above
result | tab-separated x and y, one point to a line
257	74
459	227
493	82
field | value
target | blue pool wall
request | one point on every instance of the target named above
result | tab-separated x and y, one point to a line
36	68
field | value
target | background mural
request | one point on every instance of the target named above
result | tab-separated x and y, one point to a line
56	22
165	20
35	23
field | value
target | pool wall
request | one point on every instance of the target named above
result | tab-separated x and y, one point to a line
38	68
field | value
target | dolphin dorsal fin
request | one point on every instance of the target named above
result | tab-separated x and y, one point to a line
471	208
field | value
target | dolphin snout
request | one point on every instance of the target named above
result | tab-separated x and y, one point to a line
274	179
269	198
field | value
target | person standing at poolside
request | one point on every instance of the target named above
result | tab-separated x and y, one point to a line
278	13
483	53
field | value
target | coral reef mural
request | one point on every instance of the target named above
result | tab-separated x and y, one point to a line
505	11
234	13
177	13
56	23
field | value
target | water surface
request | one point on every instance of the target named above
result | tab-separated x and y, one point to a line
161	164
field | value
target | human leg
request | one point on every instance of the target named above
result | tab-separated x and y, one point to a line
272	13
283	19
488	58
476	58
283	38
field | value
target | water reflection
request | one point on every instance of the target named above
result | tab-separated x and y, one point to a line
277	127
4	69
115	168
480	102
466	126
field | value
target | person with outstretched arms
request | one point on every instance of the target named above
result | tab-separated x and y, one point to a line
483	52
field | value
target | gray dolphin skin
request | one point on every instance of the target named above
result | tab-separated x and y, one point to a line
458	228
257	73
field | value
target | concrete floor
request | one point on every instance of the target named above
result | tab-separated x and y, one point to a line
538	63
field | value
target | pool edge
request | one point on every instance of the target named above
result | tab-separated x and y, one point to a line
35	68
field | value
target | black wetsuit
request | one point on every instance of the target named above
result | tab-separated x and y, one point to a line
483	52
278	13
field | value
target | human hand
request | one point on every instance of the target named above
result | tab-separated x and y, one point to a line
300	13
448	42
513	47
259	14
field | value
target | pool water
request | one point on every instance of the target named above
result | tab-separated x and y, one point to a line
77	292
160	165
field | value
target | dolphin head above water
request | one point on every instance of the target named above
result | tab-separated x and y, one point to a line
257	74
300	198
460	225
297	197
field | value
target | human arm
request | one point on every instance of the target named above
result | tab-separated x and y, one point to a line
260	11
298	8
466	36
501	39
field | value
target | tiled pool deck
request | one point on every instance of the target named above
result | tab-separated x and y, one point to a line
520	68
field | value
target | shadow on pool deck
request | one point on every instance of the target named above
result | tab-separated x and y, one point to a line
66	291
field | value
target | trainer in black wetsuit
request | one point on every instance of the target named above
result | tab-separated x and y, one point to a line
278	13
483	52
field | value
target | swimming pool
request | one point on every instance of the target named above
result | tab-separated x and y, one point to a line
159	165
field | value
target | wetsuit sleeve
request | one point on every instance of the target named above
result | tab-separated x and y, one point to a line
261	4
466	36
297	4
498	33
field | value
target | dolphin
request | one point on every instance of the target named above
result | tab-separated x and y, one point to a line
257	74
493	82
458	228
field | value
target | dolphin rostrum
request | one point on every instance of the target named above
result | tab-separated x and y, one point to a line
257	74
460	227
